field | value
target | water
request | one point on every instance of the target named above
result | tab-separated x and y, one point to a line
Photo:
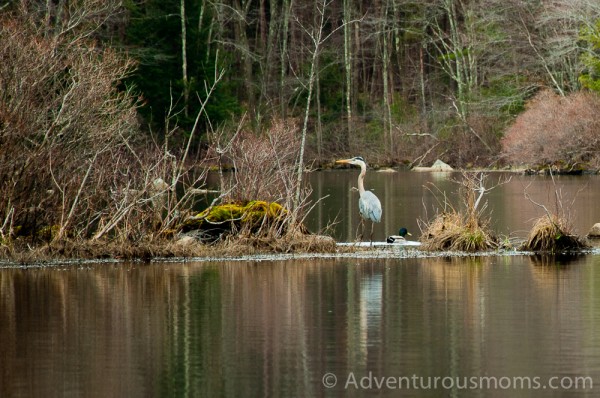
488	326
276	328
412	198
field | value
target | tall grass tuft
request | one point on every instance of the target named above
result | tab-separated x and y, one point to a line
462	230
553	234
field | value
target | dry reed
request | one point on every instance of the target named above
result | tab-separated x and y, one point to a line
553	234
455	232
466	230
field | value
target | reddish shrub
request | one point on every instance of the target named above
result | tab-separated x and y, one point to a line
265	164
556	130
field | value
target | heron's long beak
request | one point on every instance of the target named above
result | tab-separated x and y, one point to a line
344	161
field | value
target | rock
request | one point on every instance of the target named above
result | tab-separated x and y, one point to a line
195	236
186	241
438	165
594	231
159	185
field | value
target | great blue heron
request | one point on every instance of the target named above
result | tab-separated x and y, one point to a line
369	205
400	237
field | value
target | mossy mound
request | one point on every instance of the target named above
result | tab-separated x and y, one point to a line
48	233
454	232
552	234
254	216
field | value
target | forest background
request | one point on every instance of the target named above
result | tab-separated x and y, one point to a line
98	97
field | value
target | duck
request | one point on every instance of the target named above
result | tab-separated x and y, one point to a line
402	232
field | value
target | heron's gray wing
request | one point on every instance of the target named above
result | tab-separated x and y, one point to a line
370	206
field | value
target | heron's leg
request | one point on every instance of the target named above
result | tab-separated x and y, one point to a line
360	227
371	236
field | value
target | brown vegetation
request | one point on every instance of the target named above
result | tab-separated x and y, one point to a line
264	163
62	123
233	246
452	231
466	230
74	170
148	220
79	178
553	234
556	130
265	167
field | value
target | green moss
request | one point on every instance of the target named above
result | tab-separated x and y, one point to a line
256	211
222	213
48	233
253	215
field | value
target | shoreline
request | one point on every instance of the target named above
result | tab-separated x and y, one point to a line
377	252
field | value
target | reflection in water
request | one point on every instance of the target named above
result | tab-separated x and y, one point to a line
557	260
275	328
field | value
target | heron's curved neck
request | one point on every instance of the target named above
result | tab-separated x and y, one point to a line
361	179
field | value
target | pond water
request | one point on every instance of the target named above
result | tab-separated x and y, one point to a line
409	198
383	324
483	326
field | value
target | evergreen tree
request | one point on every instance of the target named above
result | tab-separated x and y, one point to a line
154	39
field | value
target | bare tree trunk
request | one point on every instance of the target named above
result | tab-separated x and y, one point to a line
184	72
311	82
286	8
388	128
360	74
348	69
245	51
457	50
201	25
269	83
317	40
319	127
422	84
209	36
263	26
397	39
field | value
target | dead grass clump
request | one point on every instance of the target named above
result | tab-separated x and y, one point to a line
553	234
465	230
243	244
86	249
454	232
